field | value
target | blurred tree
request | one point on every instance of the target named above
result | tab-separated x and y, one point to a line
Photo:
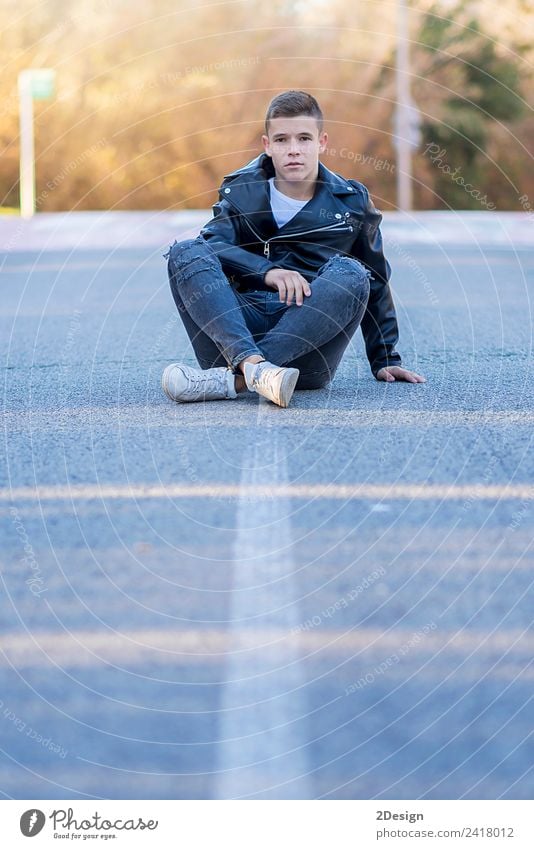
470	91
157	101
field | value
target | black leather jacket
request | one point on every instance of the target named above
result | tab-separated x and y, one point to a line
339	219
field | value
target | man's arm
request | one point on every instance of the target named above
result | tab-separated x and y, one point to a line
223	236
379	324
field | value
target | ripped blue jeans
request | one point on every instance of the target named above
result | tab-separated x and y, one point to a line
226	326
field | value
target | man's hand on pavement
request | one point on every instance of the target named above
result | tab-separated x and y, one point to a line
290	285
392	373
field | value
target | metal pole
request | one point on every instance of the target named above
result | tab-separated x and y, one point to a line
27	157
404	155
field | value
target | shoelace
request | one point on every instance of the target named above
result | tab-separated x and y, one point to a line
207	385
263	379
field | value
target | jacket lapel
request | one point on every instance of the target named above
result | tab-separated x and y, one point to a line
247	189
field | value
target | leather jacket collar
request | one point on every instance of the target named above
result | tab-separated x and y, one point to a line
247	190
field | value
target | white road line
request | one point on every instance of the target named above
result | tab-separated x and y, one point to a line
271	491
262	749
158	416
211	645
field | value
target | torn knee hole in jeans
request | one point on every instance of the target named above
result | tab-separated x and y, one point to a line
194	267
347	264
188	262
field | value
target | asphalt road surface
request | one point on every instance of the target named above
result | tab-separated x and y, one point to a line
229	600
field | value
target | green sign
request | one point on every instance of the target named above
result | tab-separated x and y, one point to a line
42	83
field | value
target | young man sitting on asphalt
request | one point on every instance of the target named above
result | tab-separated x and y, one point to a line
273	288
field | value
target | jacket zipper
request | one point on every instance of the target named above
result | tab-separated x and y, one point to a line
266	245
266	249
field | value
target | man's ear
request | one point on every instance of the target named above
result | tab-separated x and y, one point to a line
266	145
323	138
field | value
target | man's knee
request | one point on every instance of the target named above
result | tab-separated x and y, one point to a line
348	273
189	257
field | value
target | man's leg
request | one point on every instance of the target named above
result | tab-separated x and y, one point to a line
208	305
213	316
313	337
317	369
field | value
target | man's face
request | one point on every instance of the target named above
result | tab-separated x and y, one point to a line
294	145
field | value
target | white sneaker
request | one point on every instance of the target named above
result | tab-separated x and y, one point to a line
182	383
275	383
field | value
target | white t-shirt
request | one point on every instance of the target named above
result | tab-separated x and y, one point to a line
284	208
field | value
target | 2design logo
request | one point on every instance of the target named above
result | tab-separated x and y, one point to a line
32	822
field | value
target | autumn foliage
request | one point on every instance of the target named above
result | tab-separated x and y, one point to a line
156	101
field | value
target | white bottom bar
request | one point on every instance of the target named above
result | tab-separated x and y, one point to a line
268	824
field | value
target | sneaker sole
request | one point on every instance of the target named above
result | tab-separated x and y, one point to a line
287	387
